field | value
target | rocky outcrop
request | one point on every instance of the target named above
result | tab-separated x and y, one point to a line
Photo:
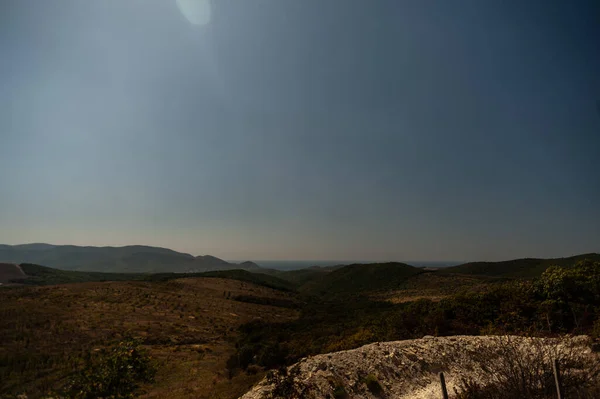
409	369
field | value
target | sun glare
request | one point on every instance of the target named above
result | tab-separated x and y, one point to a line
197	12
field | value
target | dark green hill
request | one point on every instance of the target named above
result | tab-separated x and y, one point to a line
524	268
42	275
34	246
306	276
256	278
234	274
360	278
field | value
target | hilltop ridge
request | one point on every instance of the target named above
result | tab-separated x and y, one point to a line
525	267
126	259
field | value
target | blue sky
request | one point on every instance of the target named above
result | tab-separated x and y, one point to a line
285	129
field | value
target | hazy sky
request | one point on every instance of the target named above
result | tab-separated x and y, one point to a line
303	129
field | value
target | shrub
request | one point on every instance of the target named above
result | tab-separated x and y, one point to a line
512	369
116	373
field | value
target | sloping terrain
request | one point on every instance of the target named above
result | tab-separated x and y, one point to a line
42	275
265	280
529	267
189	326
360	278
9	272
409	369
252	277
128	259
305	276
214	334
436	285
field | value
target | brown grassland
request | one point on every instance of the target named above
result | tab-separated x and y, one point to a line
189	327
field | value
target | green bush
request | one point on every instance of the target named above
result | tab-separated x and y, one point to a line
116	373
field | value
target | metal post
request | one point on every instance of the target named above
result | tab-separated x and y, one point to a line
558	382
443	383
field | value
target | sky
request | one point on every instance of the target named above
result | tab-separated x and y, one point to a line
286	129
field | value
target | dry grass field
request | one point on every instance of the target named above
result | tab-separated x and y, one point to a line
188	325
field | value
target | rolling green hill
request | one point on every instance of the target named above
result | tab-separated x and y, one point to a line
235	274
524	268
41	275
305	276
360	278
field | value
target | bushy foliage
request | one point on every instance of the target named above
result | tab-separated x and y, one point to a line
580	283
570	297
116	373
513	370
563	300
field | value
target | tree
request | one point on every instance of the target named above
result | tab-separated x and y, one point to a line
116	373
570	290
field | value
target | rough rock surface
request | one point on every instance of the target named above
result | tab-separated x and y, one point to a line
408	369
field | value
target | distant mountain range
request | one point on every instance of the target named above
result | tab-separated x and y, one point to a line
147	259
128	259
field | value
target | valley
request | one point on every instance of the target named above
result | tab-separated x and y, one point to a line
218	333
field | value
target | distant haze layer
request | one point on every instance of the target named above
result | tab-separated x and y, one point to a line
301	264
